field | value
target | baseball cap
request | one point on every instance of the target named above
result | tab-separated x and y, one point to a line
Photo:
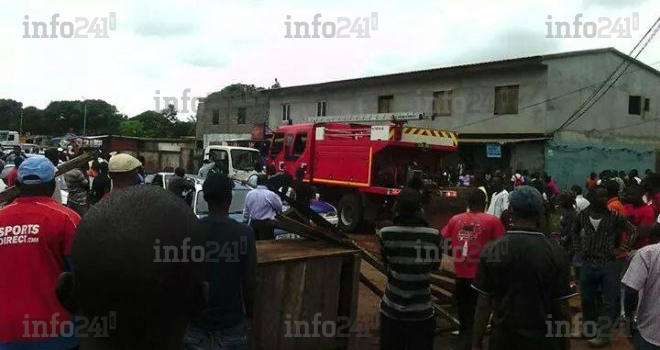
526	199
35	171
121	163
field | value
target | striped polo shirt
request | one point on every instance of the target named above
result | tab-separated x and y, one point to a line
599	244
410	250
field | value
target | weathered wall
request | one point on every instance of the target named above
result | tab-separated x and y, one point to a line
608	118
528	155
256	106
570	163
473	100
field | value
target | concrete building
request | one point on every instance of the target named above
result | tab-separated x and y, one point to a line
510	114
230	118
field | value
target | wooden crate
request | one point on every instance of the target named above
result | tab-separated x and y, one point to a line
297	279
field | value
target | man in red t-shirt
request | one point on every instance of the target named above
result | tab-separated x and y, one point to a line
36	234
468	234
13	174
639	214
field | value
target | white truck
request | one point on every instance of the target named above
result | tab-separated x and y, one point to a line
238	161
8	139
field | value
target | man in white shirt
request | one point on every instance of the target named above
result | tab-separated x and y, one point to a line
642	289
581	203
500	200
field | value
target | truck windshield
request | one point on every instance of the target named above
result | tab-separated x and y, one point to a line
3	135
217	154
278	144
243	159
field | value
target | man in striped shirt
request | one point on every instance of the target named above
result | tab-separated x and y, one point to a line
411	251
598	238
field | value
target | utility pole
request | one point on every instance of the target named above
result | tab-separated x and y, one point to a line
20	132
85	119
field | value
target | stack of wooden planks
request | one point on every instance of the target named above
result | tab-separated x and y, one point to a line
305	222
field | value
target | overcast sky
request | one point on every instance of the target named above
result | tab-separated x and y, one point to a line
171	46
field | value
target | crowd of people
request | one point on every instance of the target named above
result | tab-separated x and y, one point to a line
515	269
95	257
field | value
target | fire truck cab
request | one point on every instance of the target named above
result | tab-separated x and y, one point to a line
359	167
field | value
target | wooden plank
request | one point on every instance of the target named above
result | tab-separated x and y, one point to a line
312	302
331	298
292	300
445	273
348	292
269	252
443	283
270	286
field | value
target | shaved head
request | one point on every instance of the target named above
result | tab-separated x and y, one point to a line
116	266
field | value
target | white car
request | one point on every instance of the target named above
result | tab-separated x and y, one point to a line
201	208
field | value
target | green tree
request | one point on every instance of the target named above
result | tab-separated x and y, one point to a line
170	113
34	121
68	116
155	124
131	127
10	114
235	90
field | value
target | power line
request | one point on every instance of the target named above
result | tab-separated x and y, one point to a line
592	100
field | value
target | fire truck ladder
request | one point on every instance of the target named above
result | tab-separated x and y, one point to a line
375	117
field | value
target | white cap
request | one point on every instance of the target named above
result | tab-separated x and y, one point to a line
122	163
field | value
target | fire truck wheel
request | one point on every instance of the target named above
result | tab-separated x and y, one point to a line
350	212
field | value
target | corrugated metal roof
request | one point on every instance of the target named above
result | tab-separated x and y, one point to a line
514	63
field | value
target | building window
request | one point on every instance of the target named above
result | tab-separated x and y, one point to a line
442	103
241	116
506	99
647	105
286	112
321	108
635	105
216	117
386	104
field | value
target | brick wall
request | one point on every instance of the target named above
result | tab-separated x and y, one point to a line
227	108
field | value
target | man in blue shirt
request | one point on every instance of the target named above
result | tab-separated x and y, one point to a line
231	274
261	207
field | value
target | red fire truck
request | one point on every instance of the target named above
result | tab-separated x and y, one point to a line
360	167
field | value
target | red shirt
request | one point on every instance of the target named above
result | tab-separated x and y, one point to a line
11	177
642	216
615	205
591	183
469	233
36	234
